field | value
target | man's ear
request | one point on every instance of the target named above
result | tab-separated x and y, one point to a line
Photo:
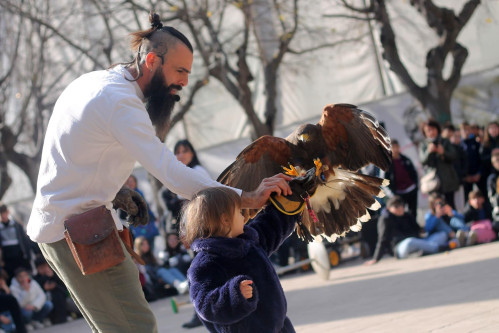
151	59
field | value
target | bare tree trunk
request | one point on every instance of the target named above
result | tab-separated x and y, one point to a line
436	95
5	179
262	15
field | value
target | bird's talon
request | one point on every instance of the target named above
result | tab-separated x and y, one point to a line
318	166
291	171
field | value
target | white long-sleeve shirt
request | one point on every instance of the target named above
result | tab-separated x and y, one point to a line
98	130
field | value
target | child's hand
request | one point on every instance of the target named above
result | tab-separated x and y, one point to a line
4	320
448	210
246	288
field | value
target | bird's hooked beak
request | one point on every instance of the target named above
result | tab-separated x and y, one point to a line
303	137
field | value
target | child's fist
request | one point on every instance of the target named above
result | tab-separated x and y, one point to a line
246	288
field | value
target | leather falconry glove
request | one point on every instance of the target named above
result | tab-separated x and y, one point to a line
133	204
303	187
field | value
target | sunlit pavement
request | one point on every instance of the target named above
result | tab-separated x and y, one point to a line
456	291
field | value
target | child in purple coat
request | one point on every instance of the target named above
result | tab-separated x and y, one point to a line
233	285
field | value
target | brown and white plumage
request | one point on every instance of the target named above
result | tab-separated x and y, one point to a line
345	139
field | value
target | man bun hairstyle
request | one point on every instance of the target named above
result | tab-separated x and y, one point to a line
157	38
154	38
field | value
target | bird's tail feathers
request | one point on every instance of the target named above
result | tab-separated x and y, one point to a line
344	204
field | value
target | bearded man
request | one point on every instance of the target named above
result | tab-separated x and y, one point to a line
103	123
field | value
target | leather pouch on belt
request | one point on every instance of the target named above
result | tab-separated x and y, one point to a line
93	239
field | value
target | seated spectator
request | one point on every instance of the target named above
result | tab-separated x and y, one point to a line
11	319
441	217
175	254
146	284
158	274
492	189
14	243
400	234
478	214
477	208
6	323
34	304
53	286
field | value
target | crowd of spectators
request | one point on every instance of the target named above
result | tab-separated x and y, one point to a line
464	203
31	295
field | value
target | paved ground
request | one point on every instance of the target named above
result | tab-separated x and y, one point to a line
448	292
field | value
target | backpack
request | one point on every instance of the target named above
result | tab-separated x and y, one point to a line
484	231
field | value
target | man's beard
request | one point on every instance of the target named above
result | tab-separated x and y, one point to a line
160	103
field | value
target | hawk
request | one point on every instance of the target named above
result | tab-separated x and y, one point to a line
331	152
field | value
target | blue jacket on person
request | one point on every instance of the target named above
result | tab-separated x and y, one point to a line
434	224
222	263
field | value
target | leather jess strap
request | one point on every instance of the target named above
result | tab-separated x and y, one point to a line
126	237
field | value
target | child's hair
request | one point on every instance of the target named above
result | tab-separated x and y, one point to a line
433	199
395	201
475	194
202	216
40	261
148	256
20	270
137	244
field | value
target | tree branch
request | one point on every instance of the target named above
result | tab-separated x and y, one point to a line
14	55
390	50
326	45
362	10
16	9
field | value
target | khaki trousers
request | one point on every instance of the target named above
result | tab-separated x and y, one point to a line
111	300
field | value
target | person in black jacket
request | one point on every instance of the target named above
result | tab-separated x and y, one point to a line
9	303
399	234
403	178
477	207
14	243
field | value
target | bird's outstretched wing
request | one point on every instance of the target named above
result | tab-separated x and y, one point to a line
354	138
262	158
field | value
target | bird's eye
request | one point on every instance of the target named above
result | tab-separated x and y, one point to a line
323	178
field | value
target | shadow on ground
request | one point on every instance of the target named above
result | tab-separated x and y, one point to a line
388	294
